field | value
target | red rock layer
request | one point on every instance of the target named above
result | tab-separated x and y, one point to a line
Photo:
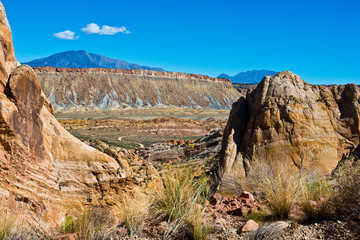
130	72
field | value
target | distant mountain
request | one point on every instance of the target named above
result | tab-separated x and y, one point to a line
253	76
83	59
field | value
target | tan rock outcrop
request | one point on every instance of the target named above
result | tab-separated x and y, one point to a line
7	53
286	119
41	164
40	160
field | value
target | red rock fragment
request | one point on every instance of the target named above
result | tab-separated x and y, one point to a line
216	199
247	195
250	226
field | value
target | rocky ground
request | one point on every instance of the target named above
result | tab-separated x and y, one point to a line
231	218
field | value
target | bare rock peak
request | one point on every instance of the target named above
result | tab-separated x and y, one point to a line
3	17
84	59
7	53
285	116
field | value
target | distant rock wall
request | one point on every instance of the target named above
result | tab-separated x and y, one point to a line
108	89
286	119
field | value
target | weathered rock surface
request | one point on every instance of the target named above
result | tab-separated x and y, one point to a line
141	171
40	160
286	119
79	89
41	164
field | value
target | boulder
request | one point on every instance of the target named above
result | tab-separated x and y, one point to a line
248	196
250	226
286	119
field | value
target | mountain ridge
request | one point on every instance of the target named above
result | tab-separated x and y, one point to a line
84	59
251	76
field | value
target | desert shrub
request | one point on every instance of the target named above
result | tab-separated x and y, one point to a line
134	210
314	201
68	225
196	227
18	222
12	225
93	223
346	186
280	185
184	192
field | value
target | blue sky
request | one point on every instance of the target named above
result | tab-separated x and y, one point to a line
318	40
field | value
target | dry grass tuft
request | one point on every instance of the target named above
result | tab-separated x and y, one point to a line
19	222
346	186
134	210
94	223
314	201
279	185
185	193
196	227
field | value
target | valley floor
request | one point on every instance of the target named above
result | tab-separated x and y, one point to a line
148	113
136	128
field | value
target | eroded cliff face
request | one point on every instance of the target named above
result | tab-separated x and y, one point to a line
71	89
41	164
286	119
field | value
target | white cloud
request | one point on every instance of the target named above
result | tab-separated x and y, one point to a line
104	30
67	35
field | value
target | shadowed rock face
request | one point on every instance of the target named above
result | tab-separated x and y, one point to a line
286	119
41	164
24	88
109	89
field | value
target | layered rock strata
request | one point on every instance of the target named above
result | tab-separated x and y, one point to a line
286	119
76	89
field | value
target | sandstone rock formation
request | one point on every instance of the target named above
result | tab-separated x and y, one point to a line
41	164
286	119
110	89
7	53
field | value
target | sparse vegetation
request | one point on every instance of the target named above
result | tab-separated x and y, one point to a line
314	201
279	184
134	209
181	203
68	225
18	222
257	216
93	223
196	226
346	186
282	187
